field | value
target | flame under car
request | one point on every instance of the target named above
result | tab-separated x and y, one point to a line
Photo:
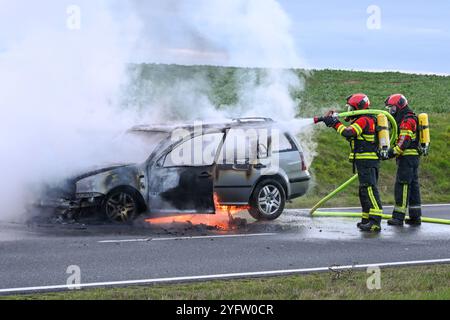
245	163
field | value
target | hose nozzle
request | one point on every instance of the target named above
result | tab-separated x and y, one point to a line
318	120
331	113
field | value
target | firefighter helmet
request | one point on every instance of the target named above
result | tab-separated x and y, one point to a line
358	101
396	102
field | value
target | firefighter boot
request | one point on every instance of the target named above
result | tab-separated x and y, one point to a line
415	214
414	222
365	219
397	219
374	224
371	226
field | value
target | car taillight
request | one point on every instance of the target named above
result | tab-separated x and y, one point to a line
302	157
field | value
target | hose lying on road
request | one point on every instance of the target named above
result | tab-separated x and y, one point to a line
394	136
385	216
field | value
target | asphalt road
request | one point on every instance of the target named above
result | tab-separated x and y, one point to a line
38	255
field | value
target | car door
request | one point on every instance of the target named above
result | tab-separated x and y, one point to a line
182	179
244	157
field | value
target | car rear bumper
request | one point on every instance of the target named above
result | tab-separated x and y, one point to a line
299	186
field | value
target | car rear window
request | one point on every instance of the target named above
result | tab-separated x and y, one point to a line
284	144
244	146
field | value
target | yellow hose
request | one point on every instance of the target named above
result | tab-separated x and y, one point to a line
385	216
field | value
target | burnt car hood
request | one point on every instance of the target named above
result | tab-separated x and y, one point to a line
97	170
66	187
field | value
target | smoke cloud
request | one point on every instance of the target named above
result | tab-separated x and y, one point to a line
62	87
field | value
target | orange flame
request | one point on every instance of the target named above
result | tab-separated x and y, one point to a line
221	220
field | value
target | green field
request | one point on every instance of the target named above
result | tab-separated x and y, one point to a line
324	90
429	282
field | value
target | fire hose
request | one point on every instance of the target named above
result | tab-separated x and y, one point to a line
394	136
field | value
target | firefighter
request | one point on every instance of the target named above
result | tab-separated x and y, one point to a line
407	189
361	134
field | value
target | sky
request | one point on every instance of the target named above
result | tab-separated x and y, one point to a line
412	36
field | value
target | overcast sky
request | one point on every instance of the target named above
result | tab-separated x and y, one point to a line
405	35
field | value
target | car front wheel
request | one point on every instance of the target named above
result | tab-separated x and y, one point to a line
121	206
268	201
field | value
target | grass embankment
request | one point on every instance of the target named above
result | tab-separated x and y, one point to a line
427	282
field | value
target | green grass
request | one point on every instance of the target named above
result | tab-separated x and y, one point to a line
426	93
324	90
426	282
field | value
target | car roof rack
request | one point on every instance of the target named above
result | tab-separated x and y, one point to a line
253	119
169	128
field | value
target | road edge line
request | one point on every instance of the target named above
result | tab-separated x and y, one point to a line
222	276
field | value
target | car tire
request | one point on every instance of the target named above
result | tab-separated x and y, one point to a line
268	200
122	205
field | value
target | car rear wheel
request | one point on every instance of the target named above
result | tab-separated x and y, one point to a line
268	200
121	206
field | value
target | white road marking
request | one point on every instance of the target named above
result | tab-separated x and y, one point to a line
223	276
189	238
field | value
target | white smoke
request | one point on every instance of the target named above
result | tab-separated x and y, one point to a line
57	91
242	33
60	88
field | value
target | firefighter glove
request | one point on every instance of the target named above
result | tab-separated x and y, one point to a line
331	121
391	154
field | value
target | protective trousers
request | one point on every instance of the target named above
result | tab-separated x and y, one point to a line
407	188
368	171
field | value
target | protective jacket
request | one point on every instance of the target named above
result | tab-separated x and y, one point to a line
362	136
407	143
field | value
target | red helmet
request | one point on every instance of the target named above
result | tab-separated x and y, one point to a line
358	101
397	100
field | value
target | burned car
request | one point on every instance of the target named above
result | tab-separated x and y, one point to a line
250	163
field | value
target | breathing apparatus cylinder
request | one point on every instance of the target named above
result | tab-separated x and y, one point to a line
424	133
384	140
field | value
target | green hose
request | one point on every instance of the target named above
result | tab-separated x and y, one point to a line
385	216
335	192
394	130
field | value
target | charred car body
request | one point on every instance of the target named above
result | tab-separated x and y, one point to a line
246	162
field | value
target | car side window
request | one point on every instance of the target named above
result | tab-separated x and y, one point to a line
196	152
